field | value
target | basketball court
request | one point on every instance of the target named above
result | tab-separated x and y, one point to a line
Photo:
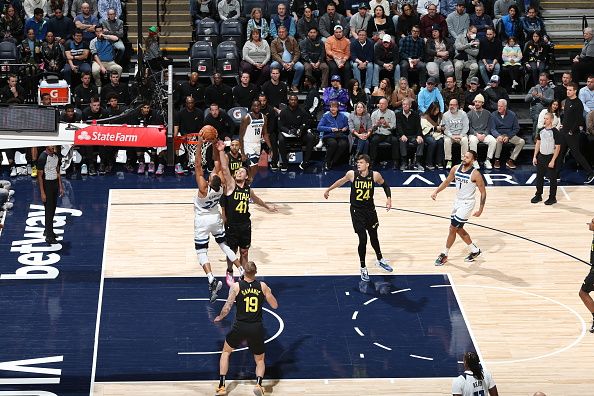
127	312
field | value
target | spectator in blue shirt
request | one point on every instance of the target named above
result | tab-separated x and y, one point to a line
334	130
282	18
505	128
429	95
86	22
37	23
103	55
362	60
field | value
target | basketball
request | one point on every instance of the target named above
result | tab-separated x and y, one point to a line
208	133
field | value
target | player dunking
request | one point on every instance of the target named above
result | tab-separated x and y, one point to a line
235	205
363	214
253	128
208	220
467	180
248	295
588	285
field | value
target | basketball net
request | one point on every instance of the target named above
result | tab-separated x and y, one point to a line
190	147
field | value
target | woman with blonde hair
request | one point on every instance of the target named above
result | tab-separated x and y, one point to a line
403	92
360	127
258	22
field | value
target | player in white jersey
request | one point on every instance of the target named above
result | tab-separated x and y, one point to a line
253	128
467	180
208	220
475	381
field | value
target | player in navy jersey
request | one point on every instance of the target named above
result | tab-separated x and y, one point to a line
588	285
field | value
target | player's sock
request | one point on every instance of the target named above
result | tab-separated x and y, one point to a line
228	252
259	381
446	251
210	277
473	247
221	380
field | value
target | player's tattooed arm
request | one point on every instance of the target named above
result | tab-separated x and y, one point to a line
229	303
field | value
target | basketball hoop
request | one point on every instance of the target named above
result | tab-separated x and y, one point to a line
188	143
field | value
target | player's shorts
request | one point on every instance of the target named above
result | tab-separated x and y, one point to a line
588	285
461	212
206	224
253	333
238	235
364	219
252	152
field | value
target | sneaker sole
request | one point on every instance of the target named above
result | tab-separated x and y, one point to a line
258	392
385	267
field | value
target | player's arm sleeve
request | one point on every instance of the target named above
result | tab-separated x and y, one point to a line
387	190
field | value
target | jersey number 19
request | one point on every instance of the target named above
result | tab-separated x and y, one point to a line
251	304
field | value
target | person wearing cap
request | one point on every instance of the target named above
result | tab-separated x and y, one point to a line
152	51
282	17
307	22
429	94
412	54
479	121
439	52
493	93
471	93
285	54
455	125
360	20
338	53
362	60
481	20
335	93
330	21
490	50
505	128
313	56
458	21
431	19
467	49
386	57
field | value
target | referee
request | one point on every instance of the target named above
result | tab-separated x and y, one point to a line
50	186
588	285
248	295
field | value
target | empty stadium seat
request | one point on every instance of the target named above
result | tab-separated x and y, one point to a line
207	29
8	52
201	58
231	29
228	59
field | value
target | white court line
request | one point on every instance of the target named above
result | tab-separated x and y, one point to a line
360	379
359	331
420	357
399	291
370	301
100	299
347	293
562	188
355	315
377	344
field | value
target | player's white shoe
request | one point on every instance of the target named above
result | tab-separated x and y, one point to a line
384	264
364	274
214	288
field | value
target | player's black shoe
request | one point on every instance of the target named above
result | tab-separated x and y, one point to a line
214	287
472	256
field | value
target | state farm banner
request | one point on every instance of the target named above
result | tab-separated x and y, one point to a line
121	135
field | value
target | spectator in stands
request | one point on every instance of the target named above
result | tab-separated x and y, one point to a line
77	8
313	56
12	92
5	194
458	21
31	6
146	116
282	18
257	22
334	129
61	27
402	92
86	21
11	25
512	64
275	90
271	127
490	50
536	56
362	55
448	7
356	94
561	89
188	120
583	63
114	108
218	93
380	25
360	20
105	6
505	128
106	153
298	8
313	102
481	21
467	51
471	94
430	94
412	55
409	134
360	127
285	56
30	53
330	21
479	126
540	97
52	54
61	4
114	26
431	19
510	25
335	93
501	7
494	93
153	57
533	23
383	90
89	153
407	20
38	24
555	109
46	99
452	91
338	53
83	92
586	95
422	6
385	4
229	9
386	57
200	9
191	87
383	122
103	55
69	115
115	86
455	126
256	55
439	52
221	121
293	126
433	137
306	23
245	92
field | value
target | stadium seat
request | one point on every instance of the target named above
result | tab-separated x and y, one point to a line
237	114
8	52
207	29
201	58
231	29
249	5
228	59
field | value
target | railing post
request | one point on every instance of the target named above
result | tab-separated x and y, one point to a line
170	150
